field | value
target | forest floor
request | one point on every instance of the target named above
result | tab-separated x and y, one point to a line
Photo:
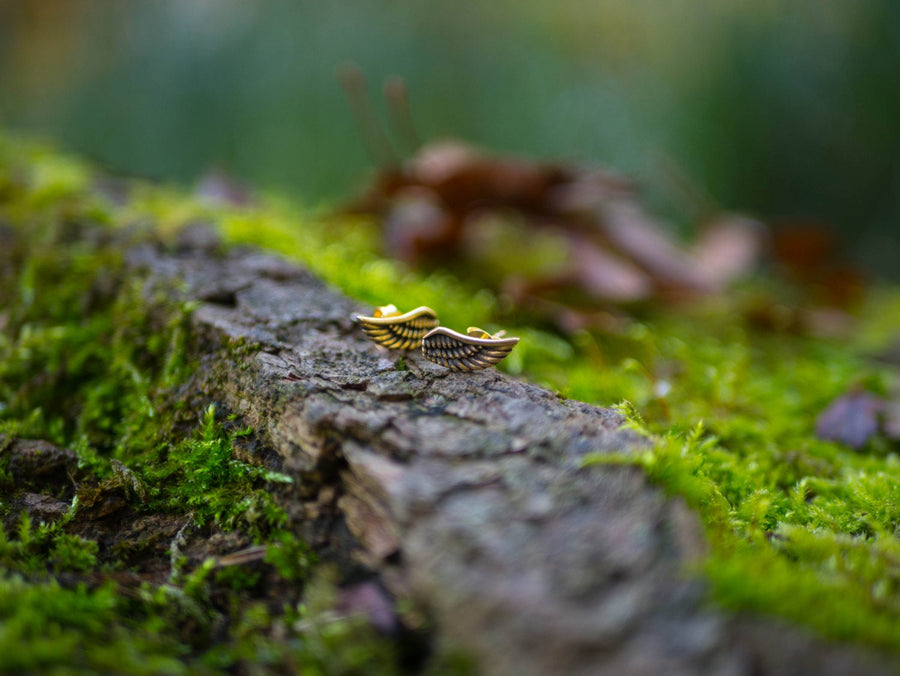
142	529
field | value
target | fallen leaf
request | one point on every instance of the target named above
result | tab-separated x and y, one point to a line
468	178
851	419
633	233
588	190
607	277
418	229
729	247
808	254
803	247
436	209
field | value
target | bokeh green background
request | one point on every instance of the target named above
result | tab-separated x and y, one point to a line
784	109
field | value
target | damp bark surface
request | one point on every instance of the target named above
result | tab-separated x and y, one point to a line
464	491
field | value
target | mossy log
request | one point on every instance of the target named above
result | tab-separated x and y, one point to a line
465	492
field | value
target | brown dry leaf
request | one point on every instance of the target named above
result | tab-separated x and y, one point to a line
439	162
417	228
803	247
467	178
808	254
434	206
606	277
634	234
729	247
588	190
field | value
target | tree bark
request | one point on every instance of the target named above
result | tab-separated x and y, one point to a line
464	491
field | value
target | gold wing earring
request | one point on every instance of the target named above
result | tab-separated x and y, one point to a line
475	350
398	331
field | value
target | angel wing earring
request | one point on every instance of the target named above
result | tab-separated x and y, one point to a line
396	330
475	350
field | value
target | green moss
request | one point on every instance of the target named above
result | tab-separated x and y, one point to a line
198	473
290	557
318	639
50	629
45	547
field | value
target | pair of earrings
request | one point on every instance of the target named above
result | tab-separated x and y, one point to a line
475	350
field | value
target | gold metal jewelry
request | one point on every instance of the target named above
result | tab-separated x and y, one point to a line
475	350
398	331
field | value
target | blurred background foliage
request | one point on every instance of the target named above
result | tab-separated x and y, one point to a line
788	110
